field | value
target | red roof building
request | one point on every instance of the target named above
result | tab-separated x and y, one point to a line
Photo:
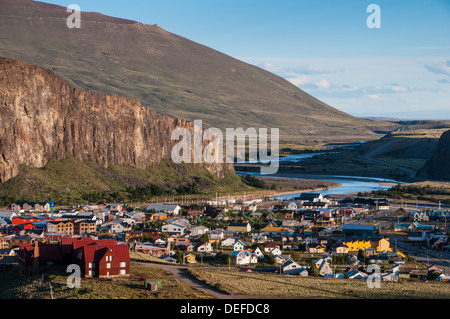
103	261
96	258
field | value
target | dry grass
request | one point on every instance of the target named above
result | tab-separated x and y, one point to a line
137	256
308	287
119	288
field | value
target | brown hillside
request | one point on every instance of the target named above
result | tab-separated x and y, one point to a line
169	73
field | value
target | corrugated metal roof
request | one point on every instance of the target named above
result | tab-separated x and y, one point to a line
359	227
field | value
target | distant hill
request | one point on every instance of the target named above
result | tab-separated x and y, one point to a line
170	74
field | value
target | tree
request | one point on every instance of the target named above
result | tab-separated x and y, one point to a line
361	255
270	259
178	256
204	237
313	270
434	275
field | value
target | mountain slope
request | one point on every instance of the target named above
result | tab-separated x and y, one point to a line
45	118
169	73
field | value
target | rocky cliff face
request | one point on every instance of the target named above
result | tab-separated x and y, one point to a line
43	118
438	166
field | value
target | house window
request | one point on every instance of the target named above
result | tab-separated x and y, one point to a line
108	265
123	272
91	265
91	273
123	264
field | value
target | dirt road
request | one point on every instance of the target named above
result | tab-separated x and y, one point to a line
372	154
180	274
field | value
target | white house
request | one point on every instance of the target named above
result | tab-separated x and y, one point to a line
181	221
204	247
117	228
228	242
356	274
311	197
280	259
244	257
238	245
323	266
290	267
199	231
165	208
259	238
216	234
174	229
258	253
275	252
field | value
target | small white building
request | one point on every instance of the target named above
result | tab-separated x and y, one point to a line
199	231
275	252
238	245
244	257
228	242
204	247
165	208
174	229
290	267
216	234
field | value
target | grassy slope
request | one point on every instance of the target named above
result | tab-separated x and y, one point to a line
307	287
71	181
16	287
171	74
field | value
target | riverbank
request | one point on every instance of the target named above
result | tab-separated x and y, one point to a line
347	184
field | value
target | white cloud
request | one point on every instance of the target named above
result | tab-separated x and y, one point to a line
439	68
382	85
375	97
399	89
323	84
300	80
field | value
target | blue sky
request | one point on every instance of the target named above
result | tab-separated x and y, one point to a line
323	46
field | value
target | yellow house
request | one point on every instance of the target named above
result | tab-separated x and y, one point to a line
342	249
189	258
383	245
356	245
316	249
62	227
159	216
379	245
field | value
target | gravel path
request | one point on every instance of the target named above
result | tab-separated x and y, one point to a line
182	275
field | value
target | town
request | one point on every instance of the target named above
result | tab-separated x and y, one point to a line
311	235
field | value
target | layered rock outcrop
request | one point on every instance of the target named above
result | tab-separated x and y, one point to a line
438	166
43	118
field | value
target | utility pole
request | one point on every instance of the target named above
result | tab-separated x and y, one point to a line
51	289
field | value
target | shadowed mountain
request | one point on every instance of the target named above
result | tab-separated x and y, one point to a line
437	167
170	74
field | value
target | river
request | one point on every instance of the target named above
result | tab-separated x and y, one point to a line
349	184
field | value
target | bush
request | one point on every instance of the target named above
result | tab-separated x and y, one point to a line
254	182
